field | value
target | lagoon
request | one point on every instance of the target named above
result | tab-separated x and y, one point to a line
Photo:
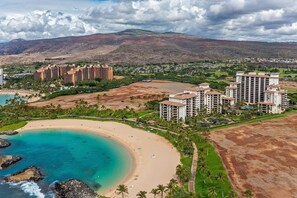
65	154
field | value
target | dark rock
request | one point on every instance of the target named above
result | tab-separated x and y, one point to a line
9	133
8	160
29	174
74	188
4	143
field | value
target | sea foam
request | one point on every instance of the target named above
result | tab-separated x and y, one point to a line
30	188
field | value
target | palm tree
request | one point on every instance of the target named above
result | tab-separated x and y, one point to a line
155	192
141	194
171	185
122	190
212	192
161	189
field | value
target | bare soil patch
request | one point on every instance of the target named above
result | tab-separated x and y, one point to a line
120	98
288	84
261	157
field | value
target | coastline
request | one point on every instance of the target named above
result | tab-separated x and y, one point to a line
154	159
21	93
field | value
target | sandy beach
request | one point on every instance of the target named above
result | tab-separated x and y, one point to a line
24	93
155	159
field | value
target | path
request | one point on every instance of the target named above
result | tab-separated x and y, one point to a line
193	169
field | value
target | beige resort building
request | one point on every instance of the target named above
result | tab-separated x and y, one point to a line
252	88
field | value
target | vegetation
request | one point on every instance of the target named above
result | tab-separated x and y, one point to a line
14	126
211	178
122	190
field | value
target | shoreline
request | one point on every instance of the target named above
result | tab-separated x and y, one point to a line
153	158
24	93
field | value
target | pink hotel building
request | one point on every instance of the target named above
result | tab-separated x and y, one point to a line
73	74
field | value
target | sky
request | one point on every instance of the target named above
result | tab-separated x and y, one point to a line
258	20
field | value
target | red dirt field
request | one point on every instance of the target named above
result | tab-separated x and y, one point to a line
261	157
288	84
119	98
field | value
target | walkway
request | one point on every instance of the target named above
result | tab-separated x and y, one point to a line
193	169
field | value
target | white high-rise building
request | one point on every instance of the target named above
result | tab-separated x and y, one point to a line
1	77
258	88
251	87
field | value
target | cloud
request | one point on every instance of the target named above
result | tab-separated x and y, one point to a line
262	20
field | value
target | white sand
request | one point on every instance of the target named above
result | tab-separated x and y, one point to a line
155	159
24	93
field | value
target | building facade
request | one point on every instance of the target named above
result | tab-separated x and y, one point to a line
191	102
253	88
275	100
73	74
1	77
173	111
259	89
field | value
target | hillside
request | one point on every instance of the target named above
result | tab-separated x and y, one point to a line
138	47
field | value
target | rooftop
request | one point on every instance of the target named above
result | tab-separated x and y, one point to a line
176	104
213	93
183	96
227	98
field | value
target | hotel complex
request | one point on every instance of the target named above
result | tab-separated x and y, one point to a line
252	88
73	74
1	77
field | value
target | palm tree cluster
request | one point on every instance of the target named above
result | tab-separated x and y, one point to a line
161	191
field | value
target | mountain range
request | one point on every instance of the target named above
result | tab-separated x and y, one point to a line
138	47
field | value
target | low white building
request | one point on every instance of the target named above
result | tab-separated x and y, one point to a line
191	102
188	99
174	111
275	100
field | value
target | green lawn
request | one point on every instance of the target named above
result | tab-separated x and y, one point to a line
214	165
291	90
13	126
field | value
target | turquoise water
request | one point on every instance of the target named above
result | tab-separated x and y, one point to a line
4	97
61	155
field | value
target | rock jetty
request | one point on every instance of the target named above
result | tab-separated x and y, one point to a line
9	133
4	143
29	174
73	188
7	160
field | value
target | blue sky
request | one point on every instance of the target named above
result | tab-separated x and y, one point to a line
260	20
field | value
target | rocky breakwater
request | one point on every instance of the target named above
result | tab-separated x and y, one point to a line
9	133
29	174
73	188
8	160
4	143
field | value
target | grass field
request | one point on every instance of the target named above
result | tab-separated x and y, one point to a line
13	126
214	175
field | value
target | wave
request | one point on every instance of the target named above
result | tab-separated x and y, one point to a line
30	188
